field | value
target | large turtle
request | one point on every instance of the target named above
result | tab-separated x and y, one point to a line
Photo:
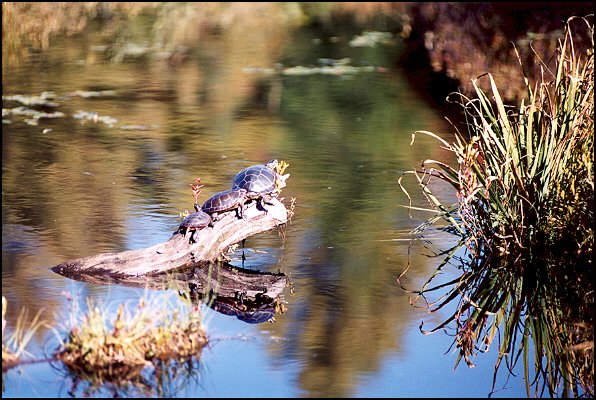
261	181
225	201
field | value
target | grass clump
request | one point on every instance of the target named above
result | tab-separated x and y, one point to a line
14	344
119	350
525	173
525	212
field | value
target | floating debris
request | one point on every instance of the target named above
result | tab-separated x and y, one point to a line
260	70
33	115
42	100
86	94
327	70
137	127
329	66
95	117
130	50
370	39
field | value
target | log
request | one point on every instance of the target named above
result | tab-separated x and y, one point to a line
211	244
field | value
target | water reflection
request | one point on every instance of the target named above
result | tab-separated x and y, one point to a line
536	313
253	310
250	295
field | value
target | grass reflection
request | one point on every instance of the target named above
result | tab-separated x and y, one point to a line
523	306
167	379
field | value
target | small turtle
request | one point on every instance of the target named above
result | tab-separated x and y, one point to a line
197	220
261	181
194	222
225	201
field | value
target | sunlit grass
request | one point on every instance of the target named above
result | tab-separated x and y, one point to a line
117	349
14	344
525	211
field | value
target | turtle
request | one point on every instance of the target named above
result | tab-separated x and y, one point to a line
194	222
197	220
261	181
225	201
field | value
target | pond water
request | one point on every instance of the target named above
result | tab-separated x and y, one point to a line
74	187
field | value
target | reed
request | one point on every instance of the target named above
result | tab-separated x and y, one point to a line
525	212
14	344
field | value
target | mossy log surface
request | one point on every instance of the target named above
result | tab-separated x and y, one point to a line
177	253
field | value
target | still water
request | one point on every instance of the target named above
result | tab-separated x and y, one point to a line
74	187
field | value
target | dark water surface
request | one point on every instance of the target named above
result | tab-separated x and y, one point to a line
73	187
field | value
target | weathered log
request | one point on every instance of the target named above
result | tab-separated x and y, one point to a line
210	244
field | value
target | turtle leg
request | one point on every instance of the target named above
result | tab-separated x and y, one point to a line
243	255
240	209
191	240
266	198
260	205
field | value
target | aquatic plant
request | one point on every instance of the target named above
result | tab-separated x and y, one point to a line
118	351
525	212
14	344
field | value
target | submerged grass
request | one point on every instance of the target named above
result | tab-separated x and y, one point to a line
525	212
117	351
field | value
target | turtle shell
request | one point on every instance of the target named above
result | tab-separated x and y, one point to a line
256	179
196	220
224	201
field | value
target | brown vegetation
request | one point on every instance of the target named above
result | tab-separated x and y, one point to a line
117	351
465	40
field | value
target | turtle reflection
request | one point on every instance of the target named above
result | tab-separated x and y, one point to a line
252	310
251	296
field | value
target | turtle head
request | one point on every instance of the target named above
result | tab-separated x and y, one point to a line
272	164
